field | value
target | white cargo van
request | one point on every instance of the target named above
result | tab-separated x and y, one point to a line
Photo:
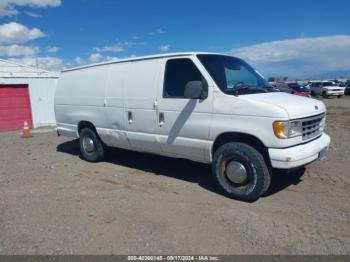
204	107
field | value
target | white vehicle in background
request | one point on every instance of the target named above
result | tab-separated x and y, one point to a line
326	89
205	107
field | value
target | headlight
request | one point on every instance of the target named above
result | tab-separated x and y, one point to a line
287	129
323	124
280	128
295	129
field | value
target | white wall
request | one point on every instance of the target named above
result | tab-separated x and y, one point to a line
41	92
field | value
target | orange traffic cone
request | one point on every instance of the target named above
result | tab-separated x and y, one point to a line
26	130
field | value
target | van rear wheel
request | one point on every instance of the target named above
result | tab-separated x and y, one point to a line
91	147
240	171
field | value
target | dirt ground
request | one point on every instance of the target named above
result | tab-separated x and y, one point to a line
53	202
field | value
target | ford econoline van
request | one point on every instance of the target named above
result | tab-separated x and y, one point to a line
205	107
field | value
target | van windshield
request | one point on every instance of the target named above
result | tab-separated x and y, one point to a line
234	76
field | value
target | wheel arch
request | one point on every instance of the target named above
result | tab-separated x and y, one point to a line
85	124
249	139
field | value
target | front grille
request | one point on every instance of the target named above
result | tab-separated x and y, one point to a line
312	126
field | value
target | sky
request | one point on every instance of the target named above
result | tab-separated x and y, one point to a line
298	39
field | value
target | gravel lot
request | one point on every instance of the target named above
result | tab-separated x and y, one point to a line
53	202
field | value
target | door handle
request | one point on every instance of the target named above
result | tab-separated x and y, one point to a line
155	105
161	119
130	117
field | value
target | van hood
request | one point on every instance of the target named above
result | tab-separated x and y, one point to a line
295	106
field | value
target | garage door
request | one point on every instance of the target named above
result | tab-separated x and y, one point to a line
14	107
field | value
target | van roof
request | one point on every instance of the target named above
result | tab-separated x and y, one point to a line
130	59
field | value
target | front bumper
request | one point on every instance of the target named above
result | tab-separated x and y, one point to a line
335	93
297	156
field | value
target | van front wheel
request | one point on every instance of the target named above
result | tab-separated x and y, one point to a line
91	146
240	171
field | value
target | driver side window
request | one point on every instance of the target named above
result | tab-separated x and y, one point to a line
178	72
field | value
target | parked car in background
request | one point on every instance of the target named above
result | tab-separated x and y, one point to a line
335	81
299	89
342	84
289	90
326	89
347	87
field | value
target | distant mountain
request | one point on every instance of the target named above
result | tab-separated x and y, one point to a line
331	75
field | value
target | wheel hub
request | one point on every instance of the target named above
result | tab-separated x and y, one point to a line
88	144
236	172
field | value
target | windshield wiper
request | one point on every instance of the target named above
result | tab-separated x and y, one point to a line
247	89
271	89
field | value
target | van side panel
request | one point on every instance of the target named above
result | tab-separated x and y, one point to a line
79	97
140	96
114	134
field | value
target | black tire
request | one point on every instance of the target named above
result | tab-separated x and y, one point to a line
268	181
259	176
340	96
324	94
313	93
97	150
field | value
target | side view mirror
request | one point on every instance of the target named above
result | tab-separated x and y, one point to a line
194	90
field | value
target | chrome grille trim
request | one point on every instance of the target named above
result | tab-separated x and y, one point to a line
311	126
